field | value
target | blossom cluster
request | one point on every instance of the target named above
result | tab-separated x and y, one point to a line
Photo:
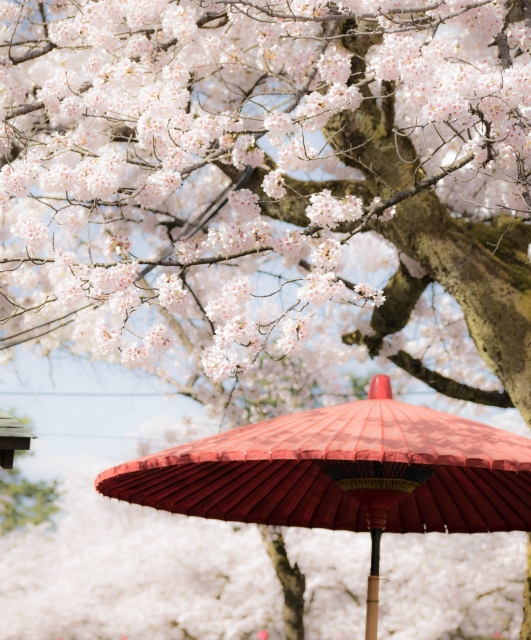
223	360
328	211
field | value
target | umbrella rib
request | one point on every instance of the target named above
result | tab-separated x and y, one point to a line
360	436
391	409
315	479
194	486
509	482
473	476
234	438
436	425
503	449
327	424
345	499
451	498
336	435
272	489
302	428
400	509
454	469
250	474
484	453
434	503
421	513
397	406
219	472
133	483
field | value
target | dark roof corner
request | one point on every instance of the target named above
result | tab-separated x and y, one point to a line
13	436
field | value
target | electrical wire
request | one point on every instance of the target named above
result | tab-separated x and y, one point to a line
85	394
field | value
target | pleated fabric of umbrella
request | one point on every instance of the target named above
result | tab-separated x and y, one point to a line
272	472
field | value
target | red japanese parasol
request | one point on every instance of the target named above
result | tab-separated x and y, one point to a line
373	464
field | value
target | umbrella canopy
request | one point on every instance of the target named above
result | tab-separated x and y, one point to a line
377	464
267	473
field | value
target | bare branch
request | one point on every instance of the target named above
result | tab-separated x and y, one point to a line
37	52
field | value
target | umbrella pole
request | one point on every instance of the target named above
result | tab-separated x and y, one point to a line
371	626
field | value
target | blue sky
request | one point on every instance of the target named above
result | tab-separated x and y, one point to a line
78	430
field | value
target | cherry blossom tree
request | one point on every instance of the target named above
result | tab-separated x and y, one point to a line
215	193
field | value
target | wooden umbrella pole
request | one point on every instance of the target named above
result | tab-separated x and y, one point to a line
371	626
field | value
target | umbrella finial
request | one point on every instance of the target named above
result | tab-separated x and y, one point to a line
380	388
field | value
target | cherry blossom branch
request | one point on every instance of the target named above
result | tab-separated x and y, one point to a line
402	294
449	387
329	32
423	185
44	324
37	52
40	335
347	15
24	109
368	211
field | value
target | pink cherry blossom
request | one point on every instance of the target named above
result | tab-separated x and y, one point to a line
321	287
124	301
117	278
334	66
234	295
70	291
273	185
245	152
107	339
34	233
327	211
294	334
135	356
244	203
279	125
157	339
172	295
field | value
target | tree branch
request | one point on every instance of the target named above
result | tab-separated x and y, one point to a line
292	208
438	382
504	53
447	386
401	295
37	52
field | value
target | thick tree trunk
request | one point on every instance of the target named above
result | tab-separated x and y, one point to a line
495	295
292	581
525	633
493	289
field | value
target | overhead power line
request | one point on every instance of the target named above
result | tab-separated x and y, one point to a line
103	394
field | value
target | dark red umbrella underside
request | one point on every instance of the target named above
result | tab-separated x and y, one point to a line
297	493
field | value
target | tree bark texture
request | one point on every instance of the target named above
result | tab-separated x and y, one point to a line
525	633
292	581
